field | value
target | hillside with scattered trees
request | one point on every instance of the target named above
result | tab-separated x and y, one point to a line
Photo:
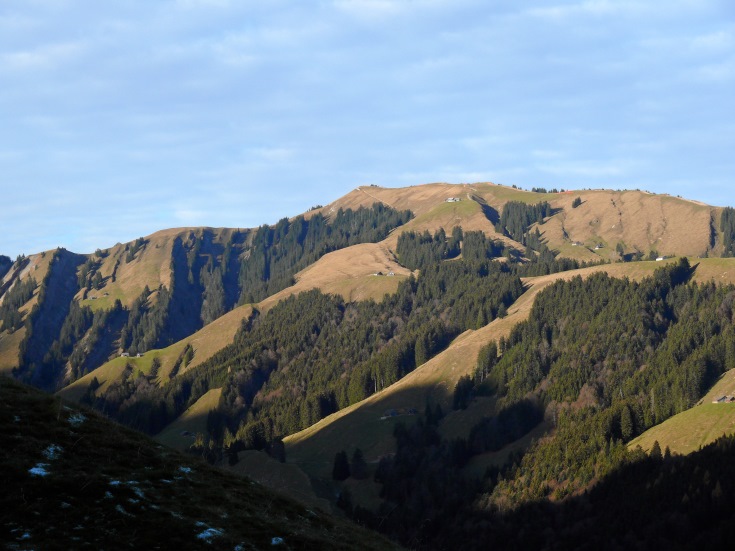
526	441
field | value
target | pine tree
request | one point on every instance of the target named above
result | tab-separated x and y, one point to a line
626	424
359	467
341	469
656	451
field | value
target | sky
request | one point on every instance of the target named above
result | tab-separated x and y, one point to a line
118	119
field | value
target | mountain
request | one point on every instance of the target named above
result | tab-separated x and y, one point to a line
412	356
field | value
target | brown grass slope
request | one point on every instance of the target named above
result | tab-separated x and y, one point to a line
74	480
150	267
639	220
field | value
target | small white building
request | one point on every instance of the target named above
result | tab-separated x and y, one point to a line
452	200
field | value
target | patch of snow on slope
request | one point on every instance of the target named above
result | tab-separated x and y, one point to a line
52	452
209	534
77	419
39	470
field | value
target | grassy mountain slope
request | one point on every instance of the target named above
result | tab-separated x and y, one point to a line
73	479
637	219
192	421
348	272
205	342
428	203
35	266
696	427
150	267
360	425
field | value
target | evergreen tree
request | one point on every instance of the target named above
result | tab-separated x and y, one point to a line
341	468
358	466
655	452
626	424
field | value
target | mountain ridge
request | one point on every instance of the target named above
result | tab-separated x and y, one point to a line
167	311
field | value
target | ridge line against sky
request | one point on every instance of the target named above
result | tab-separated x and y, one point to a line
122	119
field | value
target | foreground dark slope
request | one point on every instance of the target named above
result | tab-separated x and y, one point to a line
74	480
656	502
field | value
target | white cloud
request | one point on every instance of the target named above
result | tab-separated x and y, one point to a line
370	9
605	8
204	4
717	41
717	72
50	55
379	10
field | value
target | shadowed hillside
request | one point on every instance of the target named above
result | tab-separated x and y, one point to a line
74	480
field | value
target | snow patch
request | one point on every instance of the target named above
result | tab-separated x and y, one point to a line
115	482
119	509
39	470
52	452
277	541
185	470
209	534
76	419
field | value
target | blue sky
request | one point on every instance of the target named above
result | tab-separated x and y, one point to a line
118	119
